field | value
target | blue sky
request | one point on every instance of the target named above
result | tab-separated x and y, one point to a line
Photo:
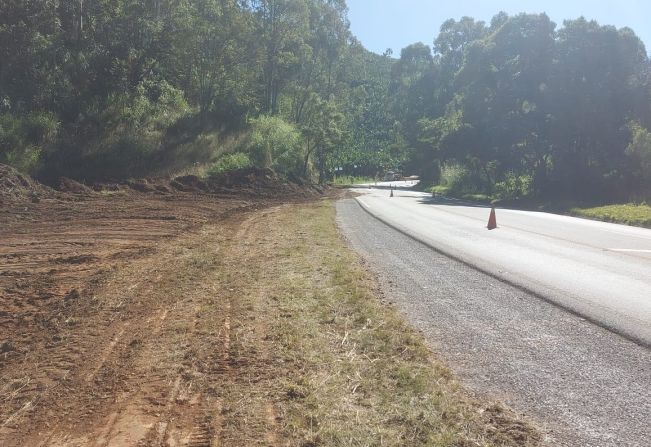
382	24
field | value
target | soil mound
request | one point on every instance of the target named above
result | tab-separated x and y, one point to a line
19	187
253	182
248	177
260	182
189	183
72	186
141	185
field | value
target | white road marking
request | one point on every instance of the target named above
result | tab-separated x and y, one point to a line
629	250
364	203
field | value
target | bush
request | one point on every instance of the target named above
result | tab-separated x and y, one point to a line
129	140
457	179
639	152
277	144
514	187
23	138
230	162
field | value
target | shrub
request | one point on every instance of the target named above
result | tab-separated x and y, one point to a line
131	139
514	186
457	179
639	151
23	138
230	162
277	144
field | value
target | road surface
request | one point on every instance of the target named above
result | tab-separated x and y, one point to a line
599	270
585	385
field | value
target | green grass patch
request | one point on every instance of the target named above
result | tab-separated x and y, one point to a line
347	180
445	190
629	214
440	189
483	198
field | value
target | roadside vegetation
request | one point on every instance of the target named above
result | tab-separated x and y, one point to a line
353	371
345	180
109	91
456	181
629	214
516	108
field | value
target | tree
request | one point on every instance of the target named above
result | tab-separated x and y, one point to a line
282	30
323	132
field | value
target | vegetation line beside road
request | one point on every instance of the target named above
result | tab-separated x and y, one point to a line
638	215
634	214
359	375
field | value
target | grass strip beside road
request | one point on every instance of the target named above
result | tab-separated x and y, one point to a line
347	368
635	214
629	214
350	180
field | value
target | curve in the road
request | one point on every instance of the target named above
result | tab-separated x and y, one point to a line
630	327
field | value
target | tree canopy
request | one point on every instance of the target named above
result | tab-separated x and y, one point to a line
96	88
561	109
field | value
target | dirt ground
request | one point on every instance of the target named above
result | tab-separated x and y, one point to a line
108	333
181	313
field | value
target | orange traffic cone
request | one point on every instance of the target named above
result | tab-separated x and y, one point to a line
391	195
492	220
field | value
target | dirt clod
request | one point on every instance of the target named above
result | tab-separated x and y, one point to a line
17	187
69	185
6	346
72	295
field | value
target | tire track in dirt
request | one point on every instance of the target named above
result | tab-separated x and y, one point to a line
170	350
107	352
81	295
182	402
250	417
198	424
111	361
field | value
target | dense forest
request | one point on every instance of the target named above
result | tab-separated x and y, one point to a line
518	107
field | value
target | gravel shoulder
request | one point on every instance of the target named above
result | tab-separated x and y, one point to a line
585	385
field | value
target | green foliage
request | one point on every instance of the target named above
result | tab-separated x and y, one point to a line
530	110
323	132
124	88
230	162
514	187
275	143
458	179
22	139
630	214
132	133
639	151
345	180
131	84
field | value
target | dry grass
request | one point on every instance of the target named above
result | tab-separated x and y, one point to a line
256	329
357	373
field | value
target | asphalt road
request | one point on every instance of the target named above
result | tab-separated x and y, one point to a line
599	270
583	384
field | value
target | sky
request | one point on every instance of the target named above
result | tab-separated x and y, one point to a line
382	24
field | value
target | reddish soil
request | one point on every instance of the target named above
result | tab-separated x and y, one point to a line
94	294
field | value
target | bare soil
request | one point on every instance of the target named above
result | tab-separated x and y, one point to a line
109	333
191	313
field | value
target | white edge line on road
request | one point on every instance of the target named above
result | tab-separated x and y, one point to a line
608	325
364	203
629	250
